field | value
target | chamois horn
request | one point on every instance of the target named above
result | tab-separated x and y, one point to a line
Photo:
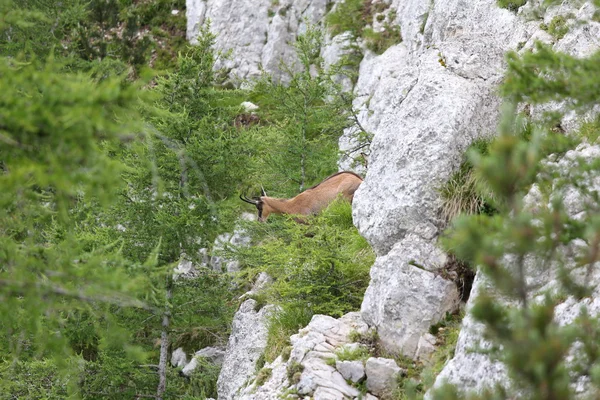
247	200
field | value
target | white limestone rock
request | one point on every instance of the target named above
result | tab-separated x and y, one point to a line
425	100
382	375
318	374
186	269
213	355
239	238
425	348
178	358
404	299
258	33
312	348
249	106
246	344
351	370
323	393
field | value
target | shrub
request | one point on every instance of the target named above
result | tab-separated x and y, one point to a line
349	15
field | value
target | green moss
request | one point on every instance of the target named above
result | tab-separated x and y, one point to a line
557	27
512	5
286	352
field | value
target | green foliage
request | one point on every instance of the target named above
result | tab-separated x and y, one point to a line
33	380
355	16
557	27
378	42
283	324
349	16
512	5
109	181
545	75
321	267
307	116
323	264
53	128
133	32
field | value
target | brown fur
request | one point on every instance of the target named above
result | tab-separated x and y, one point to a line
314	199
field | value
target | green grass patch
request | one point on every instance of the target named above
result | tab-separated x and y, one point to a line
379	42
465	192
351	354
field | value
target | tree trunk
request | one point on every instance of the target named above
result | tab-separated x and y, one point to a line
164	342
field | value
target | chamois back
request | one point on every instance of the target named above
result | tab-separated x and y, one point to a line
313	199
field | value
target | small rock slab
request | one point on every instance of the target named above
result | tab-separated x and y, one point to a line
351	370
382	375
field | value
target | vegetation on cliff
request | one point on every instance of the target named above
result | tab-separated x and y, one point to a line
112	172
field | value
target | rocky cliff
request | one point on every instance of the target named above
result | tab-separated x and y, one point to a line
426	100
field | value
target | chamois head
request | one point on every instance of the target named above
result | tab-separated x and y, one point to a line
263	210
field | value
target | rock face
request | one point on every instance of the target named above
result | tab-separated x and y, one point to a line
403	300
426	100
351	370
473	371
258	33
246	344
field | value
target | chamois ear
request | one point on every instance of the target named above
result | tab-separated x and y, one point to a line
262	191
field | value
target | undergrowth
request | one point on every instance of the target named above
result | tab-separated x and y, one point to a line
321	267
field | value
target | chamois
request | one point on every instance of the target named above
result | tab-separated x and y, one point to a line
312	200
